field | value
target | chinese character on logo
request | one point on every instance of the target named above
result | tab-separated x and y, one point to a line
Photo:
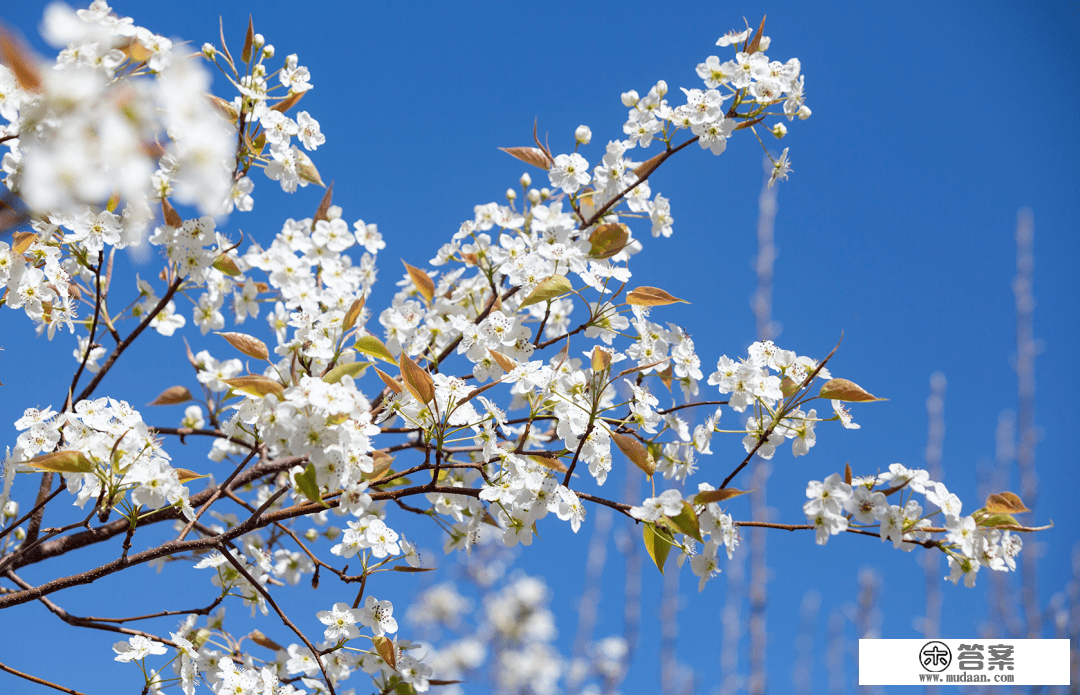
1001	656
970	657
935	657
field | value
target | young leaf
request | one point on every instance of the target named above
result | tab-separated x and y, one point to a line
227	265
255	385
169	213
354	310
15	54
1005	503
23	241
649	165
529	155
608	239
549	462
551	287
666	376
288	102
651	296
844	390
225	108
756	41
381	467
172	396
62	462
504	362
249	41
306	483
324	205
385	646
372	346
306	169
390	381
600	359
263	641
789	386
717	495
353	369
410	569
184	475
635	451
417	380
249	345
424	284
658	544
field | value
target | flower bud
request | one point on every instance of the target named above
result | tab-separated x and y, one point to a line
779	131
804	112
525	180
763	45
583	135
545	193
259	70
661	88
311	535
11	509
533	195
209	51
20	534
268	52
258	41
332	533
511	194
630	98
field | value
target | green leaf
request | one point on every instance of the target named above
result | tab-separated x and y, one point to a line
992	520
373	347
608	240
308	487
353	369
687	522
551	287
227	265
658	543
254	385
62	462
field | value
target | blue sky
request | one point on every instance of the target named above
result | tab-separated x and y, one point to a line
933	124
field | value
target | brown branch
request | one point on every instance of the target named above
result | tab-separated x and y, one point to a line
162	303
281	614
39	681
78	621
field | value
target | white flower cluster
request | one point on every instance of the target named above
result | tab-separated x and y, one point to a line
970	541
122	458
749	381
89	128
717	529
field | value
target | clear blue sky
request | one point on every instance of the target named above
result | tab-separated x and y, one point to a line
933	124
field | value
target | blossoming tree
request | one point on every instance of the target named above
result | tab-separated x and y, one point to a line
339	410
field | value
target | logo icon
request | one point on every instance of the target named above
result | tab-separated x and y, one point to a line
935	657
